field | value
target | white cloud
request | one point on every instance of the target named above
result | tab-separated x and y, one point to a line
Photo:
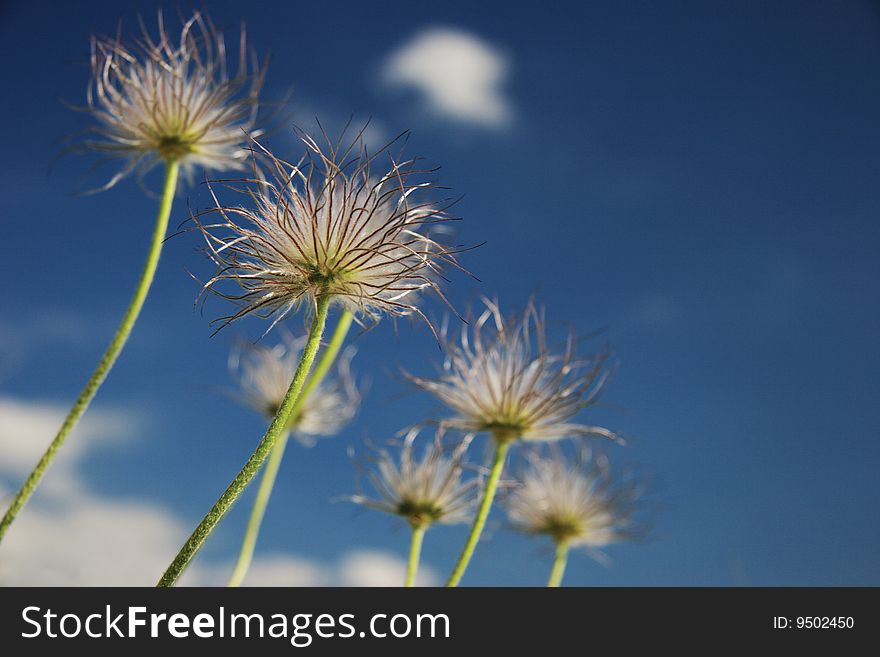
460	75
26	427
377	568
359	567
87	540
70	536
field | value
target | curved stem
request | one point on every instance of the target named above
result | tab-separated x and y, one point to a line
558	564
250	469
270	471
415	550
110	355
331	351
501	448
267	482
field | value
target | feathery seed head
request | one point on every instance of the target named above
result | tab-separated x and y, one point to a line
160	100
422	490
501	377
328	226
264	375
576	503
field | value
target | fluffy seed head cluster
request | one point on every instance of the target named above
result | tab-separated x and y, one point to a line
329	226
501	377
422	490
165	100
264	374
576	503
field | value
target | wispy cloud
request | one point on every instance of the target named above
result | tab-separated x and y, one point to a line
70	536
459	75
25	332
658	310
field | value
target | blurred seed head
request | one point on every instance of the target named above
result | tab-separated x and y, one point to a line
576	502
424	490
264	375
159	99
500	376
328	225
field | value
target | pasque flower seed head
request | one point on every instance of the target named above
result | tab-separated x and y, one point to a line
500	376
264	376
422	489
158	100
328	226
577	503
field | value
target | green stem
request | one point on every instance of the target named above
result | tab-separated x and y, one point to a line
250	469
501	447
558	564
270	472
267	482
110	355
328	357
415	550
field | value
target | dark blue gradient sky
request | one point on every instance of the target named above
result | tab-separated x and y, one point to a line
700	179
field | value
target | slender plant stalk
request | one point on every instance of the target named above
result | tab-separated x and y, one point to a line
501	447
277	428
110	355
325	362
415	550
270	471
559	562
264	492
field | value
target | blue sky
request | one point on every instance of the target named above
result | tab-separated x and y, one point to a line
699	179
